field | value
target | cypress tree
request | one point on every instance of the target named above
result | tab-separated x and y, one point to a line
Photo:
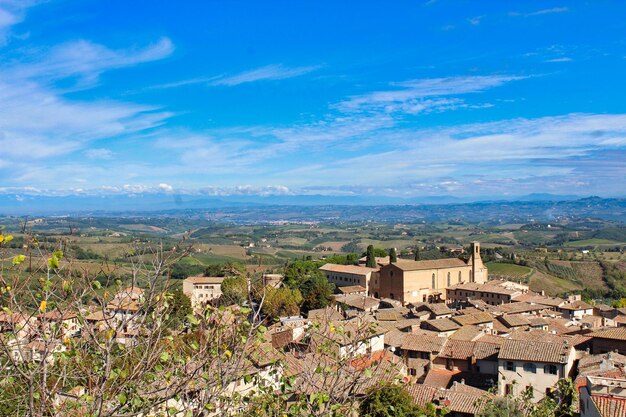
393	255
417	253
370	261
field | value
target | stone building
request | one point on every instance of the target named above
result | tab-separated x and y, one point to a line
350	275
426	281
202	290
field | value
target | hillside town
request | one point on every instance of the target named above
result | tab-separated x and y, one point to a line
454	339
457	339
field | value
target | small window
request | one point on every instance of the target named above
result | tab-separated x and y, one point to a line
510	366
530	367
449	280
551	369
391	274
459	276
434	282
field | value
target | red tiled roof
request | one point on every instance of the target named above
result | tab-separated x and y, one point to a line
457	349
618	333
610	406
534	351
423	343
347	269
205	280
407	265
439	377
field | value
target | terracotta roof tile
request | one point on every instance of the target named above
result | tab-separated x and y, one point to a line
441	325
423	343
408	265
439	377
618	333
476	318
458	349
533	351
347	269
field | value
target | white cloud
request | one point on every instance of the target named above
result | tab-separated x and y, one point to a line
83	60
266	73
561	59
11	13
166	188
541	12
475	21
269	72
98	153
414	96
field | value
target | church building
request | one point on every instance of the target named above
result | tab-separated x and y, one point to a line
425	281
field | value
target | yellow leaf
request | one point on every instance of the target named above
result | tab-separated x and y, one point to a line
110	334
43	306
1	238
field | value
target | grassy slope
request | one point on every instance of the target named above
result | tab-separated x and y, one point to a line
511	270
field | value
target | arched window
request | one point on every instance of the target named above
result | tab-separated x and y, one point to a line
449	280
434	282
459	276
530	367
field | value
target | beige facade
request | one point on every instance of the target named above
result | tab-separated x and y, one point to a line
532	365
202	290
426	281
350	275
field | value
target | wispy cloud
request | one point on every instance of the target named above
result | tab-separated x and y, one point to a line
98	153
541	12
415	96
12	12
475	21
266	73
269	72
560	59
84	60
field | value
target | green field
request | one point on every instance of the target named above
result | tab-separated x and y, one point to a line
593	242
509	270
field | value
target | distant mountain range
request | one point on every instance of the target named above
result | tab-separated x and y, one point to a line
254	209
17	205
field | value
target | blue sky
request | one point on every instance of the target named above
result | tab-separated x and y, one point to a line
417	98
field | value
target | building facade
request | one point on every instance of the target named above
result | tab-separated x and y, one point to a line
350	275
426	281
202	290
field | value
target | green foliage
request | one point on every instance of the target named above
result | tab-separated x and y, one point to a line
298	272
393	401
393	255
316	292
234	290
416	255
280	302
182	270
617	233
503	407
370	262
180	308
621	303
